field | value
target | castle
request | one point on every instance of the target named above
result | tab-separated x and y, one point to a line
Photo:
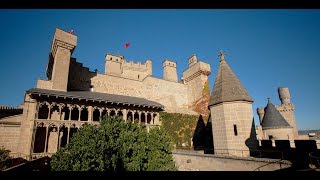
73	95
278	122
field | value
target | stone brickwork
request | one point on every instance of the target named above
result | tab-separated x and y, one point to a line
195	161
170	70
27	125
280	134
170	94
232	126
9	136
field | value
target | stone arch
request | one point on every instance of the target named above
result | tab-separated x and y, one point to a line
120	114
136	117
63	135
65	113
54	112
130	116
112	112
95	114
52	141
84	114
40	138
143	117
43	110
104	112
75	113
149	118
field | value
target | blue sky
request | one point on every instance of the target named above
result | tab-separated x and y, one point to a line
266	49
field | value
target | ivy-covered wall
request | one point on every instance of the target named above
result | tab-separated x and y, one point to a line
201	105
187	131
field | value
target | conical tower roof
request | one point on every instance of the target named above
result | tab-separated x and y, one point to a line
227	87
272	118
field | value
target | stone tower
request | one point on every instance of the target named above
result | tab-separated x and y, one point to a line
170	70
196	77
231	113
62	48
113	64
287	109
274	126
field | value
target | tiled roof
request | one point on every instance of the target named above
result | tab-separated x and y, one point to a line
272	118
227	87
96	96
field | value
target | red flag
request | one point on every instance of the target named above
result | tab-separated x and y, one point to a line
71	32
127	45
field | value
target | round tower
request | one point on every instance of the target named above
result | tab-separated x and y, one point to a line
260	112
284	95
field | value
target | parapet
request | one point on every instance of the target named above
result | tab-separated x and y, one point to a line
143	67
114	58
192	60
199	68
168	62
63	39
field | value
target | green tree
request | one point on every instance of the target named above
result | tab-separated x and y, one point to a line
115	146
4	158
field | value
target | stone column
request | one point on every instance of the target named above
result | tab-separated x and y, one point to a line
38	108
146	117
90	113
58	141
70	110
151	122
100	111
60	109
49	112
46	141
139	112
68	134
80	109
124	113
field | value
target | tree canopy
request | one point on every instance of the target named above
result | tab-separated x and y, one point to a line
115	146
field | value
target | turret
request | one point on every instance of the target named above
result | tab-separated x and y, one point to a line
149	67
192	60
231	114
63	45
260	112
113	64
284	95
170	70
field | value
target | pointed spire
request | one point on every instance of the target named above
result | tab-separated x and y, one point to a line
272	118
221	56
227	86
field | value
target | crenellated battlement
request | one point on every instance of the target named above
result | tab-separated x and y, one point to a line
136	66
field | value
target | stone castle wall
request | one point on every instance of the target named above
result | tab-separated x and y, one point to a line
10	133
227	117
137	71
280	133
193	161
287	111
171	94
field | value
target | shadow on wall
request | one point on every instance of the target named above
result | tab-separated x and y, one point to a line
252	142
202	136
79	77
299	156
